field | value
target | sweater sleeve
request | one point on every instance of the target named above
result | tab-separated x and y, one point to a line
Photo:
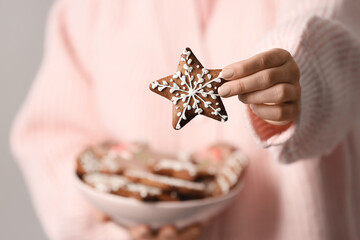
58	119
323	37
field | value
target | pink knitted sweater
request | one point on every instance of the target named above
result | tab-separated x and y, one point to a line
100	56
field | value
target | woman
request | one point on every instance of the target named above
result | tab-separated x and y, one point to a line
93	85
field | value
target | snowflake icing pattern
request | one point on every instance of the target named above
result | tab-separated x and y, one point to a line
193	91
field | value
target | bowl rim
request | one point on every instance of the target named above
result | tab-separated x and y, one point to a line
161	204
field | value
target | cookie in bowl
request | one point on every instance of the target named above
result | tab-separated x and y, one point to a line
147	187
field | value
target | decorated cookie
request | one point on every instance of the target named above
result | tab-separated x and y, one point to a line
88	162
230	173
176	168
114	158
124	187
211	159
104	182
117	159
134	170
183	187
193	90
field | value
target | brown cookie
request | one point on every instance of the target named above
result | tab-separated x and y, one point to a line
124	170
88	162
104	182
120	157
113	158
230	173
122	186
193	90
211	159
143	192
175	168
184	187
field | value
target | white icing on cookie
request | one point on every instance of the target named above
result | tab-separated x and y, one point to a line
176	166
105	183
165	180
237	161
223	184
192	89
110	162
231	171
112	183
241	158
230	175
143	190
89	162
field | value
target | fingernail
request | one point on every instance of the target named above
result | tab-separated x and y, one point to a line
227	73
251	106
224	91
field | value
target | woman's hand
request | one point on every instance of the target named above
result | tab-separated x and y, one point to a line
268	82
168	232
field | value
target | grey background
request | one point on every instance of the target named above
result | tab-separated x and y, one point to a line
22	24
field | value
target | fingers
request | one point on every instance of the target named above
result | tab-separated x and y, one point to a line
269	59
168	232
190	233
271	77
278	113
141	232
258	81
279	93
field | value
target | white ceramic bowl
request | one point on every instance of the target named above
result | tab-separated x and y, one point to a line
130	212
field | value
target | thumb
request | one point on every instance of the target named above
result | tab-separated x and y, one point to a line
141	232
167	232
191	233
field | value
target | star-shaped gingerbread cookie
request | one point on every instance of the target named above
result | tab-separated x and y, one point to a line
193	90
